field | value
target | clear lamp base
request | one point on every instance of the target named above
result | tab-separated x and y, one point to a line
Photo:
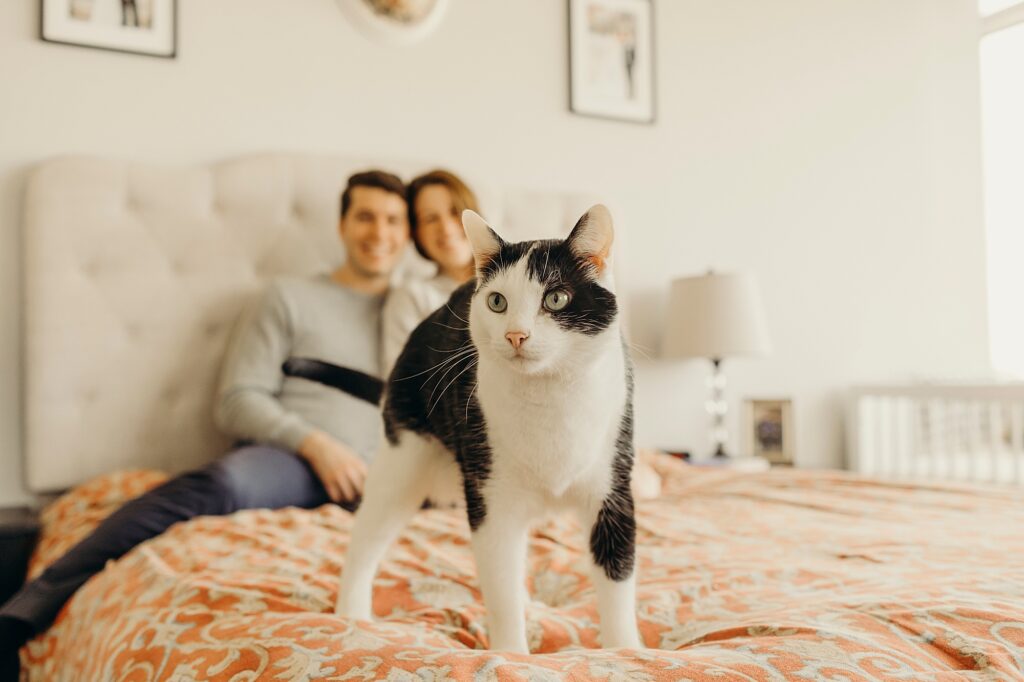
718	408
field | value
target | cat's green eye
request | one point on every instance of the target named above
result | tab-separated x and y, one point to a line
497	302
556	300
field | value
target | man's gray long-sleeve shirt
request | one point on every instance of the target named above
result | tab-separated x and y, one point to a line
312	318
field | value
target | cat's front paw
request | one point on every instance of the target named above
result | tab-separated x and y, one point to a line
621	639
354	609
514	643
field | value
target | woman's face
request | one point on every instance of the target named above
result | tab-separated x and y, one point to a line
440	230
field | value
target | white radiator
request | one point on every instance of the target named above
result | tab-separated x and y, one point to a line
949	432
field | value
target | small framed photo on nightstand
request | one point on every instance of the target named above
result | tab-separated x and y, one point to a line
768	429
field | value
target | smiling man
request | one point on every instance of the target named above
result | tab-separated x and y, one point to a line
331	316
300	443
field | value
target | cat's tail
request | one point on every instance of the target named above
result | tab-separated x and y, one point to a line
351	381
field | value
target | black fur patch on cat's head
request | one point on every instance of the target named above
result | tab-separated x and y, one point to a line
591	308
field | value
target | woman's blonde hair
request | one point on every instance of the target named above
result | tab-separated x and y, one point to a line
462	198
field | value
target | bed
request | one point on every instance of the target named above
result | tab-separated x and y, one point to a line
754	576
771	576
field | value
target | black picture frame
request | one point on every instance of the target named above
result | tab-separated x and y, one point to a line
576	33
51	34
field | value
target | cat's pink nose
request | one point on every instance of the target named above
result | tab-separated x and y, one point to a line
516	338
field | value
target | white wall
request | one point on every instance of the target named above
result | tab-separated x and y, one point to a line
831	147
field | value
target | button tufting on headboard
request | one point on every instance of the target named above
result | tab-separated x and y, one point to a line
135	274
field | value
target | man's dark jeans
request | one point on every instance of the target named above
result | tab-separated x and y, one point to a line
250	477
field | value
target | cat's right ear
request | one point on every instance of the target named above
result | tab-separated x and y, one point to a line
485	241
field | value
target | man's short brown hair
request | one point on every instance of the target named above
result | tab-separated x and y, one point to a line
389	182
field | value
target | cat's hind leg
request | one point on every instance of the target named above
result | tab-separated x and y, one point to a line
399	480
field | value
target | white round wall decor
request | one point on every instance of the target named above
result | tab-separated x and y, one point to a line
397	22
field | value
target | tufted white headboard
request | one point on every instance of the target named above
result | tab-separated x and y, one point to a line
135	273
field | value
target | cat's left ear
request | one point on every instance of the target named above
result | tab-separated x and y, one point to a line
592	237
485	241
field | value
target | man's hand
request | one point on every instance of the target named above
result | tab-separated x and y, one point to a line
340	470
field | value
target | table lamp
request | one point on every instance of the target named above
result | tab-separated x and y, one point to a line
715	316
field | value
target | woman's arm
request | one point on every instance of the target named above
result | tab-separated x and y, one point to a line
402	312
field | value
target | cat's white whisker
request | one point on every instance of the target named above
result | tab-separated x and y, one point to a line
440	364
446	372
459	317
457	329
453	362
470	398
469	367
640	350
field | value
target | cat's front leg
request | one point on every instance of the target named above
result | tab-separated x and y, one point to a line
612	542
398	481
499	546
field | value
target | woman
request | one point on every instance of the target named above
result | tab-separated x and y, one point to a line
435	201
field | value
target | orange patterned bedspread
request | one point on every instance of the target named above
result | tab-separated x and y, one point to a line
781	575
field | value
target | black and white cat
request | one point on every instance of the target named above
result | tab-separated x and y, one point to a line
516	397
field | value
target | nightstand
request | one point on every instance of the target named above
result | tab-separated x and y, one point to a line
749	464
19	528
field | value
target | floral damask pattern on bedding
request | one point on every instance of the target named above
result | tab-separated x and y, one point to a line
781	575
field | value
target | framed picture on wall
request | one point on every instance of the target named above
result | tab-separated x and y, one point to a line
768	430
611	59
146	27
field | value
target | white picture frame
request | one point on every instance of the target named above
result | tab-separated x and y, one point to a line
612	59
146	27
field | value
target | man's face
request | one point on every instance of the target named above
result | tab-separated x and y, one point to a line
374	231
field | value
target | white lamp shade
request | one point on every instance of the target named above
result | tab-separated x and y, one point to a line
715	316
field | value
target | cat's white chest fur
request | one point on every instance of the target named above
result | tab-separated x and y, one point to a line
548	433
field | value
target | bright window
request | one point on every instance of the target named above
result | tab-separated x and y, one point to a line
987	7
1002	99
